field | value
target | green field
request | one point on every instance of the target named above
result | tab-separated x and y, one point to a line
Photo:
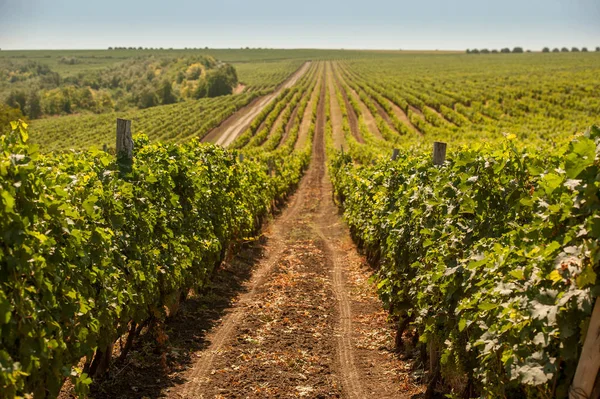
487	263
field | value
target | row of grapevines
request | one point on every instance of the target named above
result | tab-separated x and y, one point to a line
90	248
490	260
167	123
260	127
459	100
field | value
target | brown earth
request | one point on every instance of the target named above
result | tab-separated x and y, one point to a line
292	314
239	89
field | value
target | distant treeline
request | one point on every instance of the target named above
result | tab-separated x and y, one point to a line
520	50
142	82
155	48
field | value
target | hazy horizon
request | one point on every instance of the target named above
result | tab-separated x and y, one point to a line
311	24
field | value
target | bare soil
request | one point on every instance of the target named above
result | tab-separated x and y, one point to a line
292	314
239	89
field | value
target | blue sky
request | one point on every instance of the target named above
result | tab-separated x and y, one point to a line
383	24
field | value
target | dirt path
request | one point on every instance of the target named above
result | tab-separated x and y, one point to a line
309	323
239	89
233	126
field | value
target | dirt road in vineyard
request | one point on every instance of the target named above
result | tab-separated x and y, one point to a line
233	126
292	315
309	324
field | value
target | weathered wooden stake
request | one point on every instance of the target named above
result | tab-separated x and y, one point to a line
439	153
589	362
124	140
395	153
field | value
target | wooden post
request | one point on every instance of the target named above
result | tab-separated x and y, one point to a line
395	153
589	361
439	153
124	140
241	157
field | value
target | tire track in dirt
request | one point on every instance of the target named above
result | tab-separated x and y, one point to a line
201	369
233	126
296	331
327	216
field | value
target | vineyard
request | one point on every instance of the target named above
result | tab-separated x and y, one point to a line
486	264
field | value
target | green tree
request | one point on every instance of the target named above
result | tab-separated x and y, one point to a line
147	98
574	50
505	50
17	99
165	93
518	50
34	107
564	50
584	49
555	50
7	115
545	50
